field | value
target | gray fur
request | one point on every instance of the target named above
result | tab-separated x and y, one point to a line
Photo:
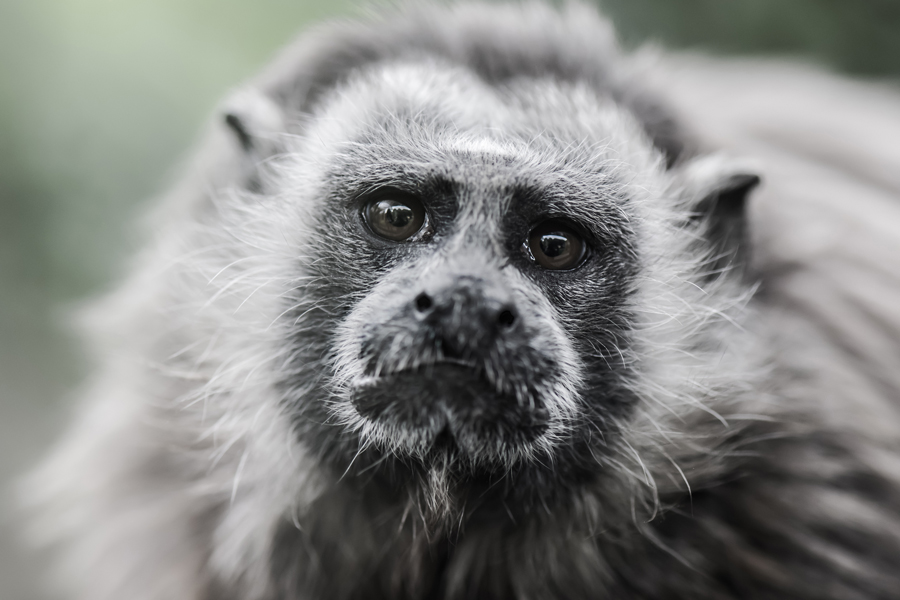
702	418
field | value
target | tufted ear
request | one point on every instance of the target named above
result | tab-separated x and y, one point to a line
256	122
716	189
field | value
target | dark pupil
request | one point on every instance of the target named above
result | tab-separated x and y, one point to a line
398	215
554	245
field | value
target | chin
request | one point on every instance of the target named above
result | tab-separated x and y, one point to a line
450	407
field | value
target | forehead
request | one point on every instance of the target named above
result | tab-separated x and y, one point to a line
414	121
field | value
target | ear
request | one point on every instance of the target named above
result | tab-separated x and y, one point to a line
255	121
716	189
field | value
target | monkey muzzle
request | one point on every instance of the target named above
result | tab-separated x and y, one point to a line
455	362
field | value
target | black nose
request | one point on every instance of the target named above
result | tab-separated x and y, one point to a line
505	316
467	314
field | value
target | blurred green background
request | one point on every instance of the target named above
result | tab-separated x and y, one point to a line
100	100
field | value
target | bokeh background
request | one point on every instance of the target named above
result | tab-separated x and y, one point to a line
101	99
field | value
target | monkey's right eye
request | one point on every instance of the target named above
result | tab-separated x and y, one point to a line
396	218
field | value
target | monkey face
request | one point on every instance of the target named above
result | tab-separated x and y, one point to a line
456	347
470	279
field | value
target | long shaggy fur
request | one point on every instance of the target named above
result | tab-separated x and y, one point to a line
714	398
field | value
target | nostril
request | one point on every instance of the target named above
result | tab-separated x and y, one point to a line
423	302
506	318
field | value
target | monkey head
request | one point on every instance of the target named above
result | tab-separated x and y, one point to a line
488	276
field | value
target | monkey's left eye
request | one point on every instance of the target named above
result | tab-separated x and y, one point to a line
555	245
396	217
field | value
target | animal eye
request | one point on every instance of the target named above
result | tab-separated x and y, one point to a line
555	245
394	218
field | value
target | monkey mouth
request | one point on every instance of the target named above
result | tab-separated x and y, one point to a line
450	399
